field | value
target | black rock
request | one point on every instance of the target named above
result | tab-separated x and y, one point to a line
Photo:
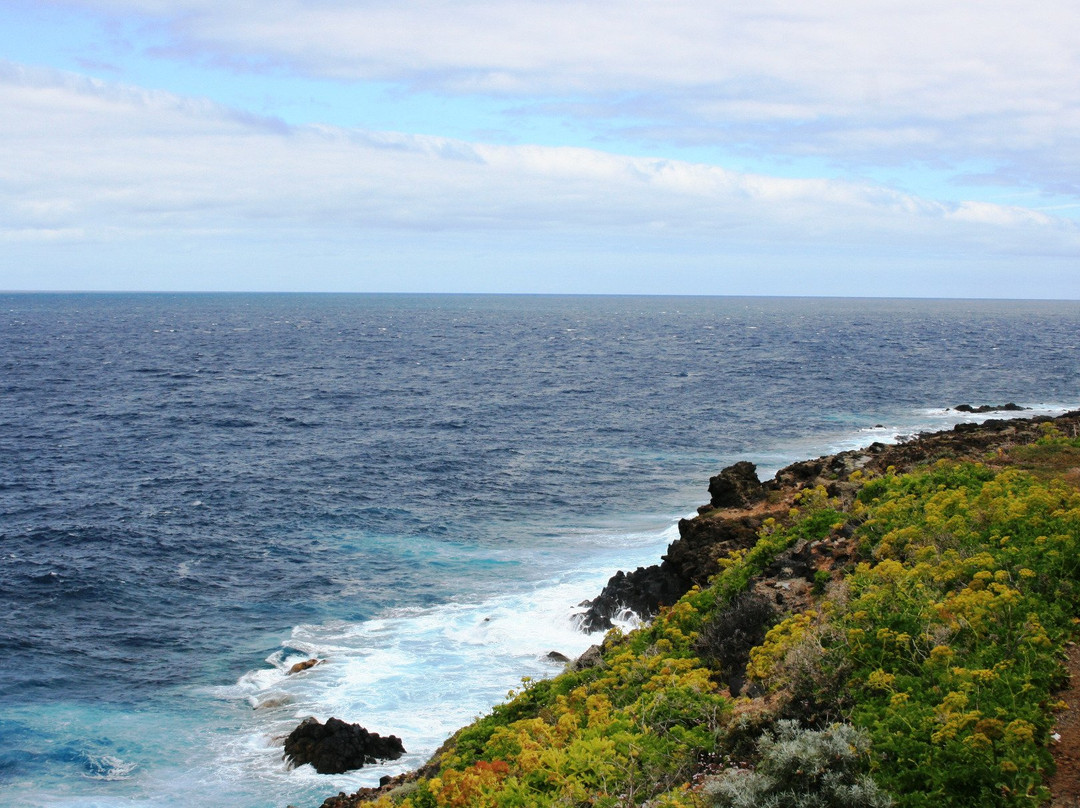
691	559
336	747
641	592
736	486
1010	407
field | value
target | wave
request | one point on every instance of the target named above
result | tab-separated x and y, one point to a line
107	767
419	673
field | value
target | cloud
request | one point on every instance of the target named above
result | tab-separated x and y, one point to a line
847	78
104	162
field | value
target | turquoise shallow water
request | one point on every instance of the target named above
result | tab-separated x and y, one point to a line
197	490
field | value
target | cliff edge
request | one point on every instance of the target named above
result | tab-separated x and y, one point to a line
894	625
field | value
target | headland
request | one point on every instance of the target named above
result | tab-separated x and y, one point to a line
892	625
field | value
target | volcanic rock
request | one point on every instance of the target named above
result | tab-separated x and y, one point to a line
592	658
736	486
691	559
336	747
1010	407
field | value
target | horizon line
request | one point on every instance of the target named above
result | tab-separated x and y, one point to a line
268	292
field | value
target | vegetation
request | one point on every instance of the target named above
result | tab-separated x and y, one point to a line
921	671
800	768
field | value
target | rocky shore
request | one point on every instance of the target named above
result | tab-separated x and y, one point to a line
740	504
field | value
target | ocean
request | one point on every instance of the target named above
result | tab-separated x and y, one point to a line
198	491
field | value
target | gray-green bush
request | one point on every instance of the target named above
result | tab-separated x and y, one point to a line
802	768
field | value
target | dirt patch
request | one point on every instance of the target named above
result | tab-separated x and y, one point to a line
1065	784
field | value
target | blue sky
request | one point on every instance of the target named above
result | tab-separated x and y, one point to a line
644	146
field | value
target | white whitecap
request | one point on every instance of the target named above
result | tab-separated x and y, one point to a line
108	767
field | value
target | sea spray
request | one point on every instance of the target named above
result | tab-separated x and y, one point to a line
421	673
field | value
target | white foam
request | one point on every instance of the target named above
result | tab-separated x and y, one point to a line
419	673
108	768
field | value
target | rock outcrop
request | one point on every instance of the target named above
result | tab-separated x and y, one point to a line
739	503
592	658
336	746
1010	407
691	559
736	486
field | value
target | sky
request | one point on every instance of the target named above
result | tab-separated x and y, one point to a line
842	147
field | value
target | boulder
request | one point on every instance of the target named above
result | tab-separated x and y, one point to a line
592	658
693	557
336	747
736	486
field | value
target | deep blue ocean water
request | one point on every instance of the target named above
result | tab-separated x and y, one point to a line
197	491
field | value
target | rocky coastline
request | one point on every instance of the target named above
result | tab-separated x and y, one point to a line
740	504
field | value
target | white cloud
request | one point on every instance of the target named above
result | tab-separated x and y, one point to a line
858	82
87	160
762	61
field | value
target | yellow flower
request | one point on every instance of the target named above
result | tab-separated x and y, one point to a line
880	680
1020	731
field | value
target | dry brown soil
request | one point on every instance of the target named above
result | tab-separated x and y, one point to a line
1065	784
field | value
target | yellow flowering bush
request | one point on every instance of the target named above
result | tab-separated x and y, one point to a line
950	629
